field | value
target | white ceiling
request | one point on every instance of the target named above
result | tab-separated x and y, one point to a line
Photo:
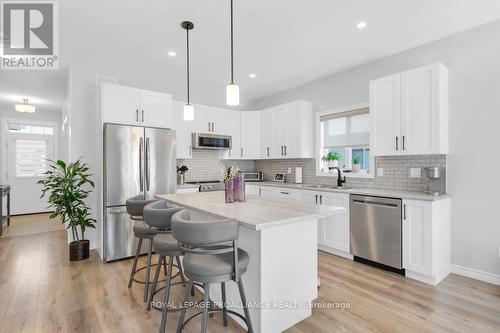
44	89
285	42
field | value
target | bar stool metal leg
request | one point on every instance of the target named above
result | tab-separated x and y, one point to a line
155	281
207	306
148	270
166	295
224	313
134	266
180	324
245	306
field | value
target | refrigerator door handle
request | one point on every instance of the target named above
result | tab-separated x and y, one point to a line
147	165
141	180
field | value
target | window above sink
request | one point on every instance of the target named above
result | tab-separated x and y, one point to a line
343	140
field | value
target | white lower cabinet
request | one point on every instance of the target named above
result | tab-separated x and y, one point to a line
426	239
252	189
269	192
333	231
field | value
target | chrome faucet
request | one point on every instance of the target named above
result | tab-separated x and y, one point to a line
340	181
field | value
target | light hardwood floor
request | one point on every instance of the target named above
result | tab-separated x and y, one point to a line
41	291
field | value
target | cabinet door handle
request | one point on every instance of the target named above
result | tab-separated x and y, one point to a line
285	150
316	199
403	142
281	150
404	212
241	152
320	199
284	193
267	151
260	192
142	115
397	143
190	150
209	126
213	127
137	115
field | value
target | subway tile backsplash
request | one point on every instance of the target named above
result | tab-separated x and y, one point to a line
206	165
396	172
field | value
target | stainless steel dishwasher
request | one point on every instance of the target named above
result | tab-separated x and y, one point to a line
375	229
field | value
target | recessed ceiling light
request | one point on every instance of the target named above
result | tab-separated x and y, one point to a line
172	53
361	25
252	75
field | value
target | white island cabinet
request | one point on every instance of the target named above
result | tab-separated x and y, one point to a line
280	235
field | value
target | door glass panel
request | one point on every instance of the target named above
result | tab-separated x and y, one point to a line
31	158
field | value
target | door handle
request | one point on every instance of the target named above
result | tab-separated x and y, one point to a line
316	199
209	126
213	127
284	193
148	171
404	212
403	142
397	145
281	150
268	151
241	152
142	115
190	150
320	199
285	150
141	179
137	115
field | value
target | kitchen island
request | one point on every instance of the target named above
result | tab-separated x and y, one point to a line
281	238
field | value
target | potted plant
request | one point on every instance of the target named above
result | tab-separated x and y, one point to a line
181	171
332	158
356	167
68	186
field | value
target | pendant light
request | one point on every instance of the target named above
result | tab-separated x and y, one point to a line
232	89
25	107
188	108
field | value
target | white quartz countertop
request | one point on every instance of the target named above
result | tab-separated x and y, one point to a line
413	195
256	213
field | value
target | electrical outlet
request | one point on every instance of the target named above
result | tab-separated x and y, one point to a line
415	172
289	170
380	172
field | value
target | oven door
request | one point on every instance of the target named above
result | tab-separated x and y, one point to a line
211	141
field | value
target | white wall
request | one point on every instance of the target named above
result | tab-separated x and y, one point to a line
473	59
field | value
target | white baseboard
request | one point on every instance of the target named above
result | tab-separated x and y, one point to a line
476	274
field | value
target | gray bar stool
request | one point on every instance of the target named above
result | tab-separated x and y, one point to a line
212	256
148	224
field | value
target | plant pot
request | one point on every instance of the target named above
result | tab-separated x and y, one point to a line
79	250
356	168
334	163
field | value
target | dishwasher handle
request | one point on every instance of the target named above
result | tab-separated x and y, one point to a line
375	203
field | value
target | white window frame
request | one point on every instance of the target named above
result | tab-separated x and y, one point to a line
319	146
5	130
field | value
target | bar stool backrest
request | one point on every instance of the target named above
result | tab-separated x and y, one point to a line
206	235
135	206
158	214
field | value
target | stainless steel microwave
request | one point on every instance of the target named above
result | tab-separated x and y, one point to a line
254	176
211	141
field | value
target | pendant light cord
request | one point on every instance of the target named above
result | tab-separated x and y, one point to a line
232	46
187	48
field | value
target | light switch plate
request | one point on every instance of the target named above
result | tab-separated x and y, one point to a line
415	172
380	172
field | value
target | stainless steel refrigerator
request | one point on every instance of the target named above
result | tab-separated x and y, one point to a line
137	161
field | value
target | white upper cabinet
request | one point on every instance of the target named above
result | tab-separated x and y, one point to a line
156	109
232	123
250	135
132	106
287	131
385	109
410	112
119	104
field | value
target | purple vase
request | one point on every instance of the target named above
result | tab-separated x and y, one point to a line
229	191
239	188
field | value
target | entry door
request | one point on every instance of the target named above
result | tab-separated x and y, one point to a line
27	151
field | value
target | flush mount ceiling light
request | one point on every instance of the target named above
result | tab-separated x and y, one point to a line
171	54
25	107
188	108
232	89
361	25
252	75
